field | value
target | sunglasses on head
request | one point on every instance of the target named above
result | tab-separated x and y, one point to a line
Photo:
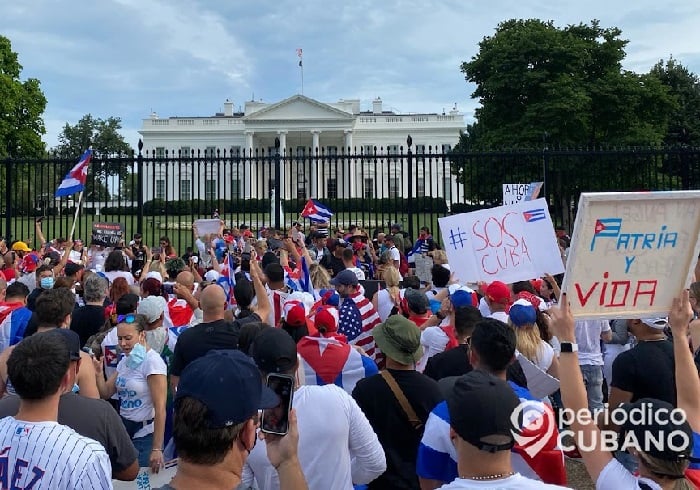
130	318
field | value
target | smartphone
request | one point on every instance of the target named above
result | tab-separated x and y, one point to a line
276	420
246	248
168	289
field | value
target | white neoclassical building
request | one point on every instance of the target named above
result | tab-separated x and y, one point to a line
304	127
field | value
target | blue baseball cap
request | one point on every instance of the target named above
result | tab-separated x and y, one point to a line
229	384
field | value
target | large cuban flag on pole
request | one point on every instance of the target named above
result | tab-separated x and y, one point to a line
74	181
316	212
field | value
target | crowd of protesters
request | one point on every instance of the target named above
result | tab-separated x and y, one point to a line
114	361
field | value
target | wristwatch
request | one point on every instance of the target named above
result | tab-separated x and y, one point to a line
569	347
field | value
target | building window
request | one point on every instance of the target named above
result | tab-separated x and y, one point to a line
420	149
210	151
332	151
332	188
394	186
185	190
420	187
447	188
185	151
160	152
236	188
235	151
368	191
160	189
209	190
301	151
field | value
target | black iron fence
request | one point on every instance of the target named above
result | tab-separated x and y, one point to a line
162	193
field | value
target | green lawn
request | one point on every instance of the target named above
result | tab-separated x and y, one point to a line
178	228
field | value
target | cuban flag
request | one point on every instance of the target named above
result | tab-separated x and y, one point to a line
14	318
437	456
606	227
305	279
411	255
74	181
329	361
534	215
227	280
316	212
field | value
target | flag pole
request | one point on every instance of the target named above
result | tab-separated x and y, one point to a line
75	218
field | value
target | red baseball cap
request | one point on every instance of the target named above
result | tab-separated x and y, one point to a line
499	292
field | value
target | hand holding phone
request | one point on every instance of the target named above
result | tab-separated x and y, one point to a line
276	420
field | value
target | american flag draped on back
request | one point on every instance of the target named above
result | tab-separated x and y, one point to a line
368	319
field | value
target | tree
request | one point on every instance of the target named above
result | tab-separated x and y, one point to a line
684	87
110	151
21	107
541	86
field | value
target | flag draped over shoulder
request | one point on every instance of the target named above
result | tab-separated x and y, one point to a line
74	181
316	212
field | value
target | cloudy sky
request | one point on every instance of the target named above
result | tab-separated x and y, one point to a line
185	57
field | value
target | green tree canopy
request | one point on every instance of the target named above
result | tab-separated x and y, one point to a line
21	107
684	87
540	84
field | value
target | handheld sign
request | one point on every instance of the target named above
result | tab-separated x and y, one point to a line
631	253
107	234
515	193
207	226
507	243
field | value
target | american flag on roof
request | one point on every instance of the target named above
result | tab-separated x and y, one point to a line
74	181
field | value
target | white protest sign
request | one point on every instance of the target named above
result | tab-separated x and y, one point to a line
631	253
515	193
146	480
207	226
507	243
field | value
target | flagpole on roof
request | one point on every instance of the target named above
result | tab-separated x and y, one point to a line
301	68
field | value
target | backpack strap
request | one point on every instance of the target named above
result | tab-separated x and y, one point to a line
403	401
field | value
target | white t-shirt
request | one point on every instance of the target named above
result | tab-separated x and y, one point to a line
500	315
47	455
545	356
135	400
384	304
112	275
517	481
615	476
588	340
394	252
334	451
434	341
358	272
484	308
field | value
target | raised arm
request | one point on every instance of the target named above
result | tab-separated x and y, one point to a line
687	380
263	309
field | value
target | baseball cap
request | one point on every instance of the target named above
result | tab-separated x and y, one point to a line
152	307
212	276
274	351
294	313
462	296
71	339
522	313
417	301
345	278
399	339
155	275
498	292
229	384
657	323
327	317
20	247
329	297
653	420
29	263
480	408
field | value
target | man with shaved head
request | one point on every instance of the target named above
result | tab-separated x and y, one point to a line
213	333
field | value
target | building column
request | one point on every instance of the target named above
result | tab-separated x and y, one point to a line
349	168
249	169
315	152
283	151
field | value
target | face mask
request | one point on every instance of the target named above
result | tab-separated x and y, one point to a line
136	357
46	282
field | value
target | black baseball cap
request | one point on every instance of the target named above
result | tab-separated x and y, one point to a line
229	384
274	351
345	278
71	339
480	407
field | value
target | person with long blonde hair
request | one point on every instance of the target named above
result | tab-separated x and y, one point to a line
522	317
385	300
319	277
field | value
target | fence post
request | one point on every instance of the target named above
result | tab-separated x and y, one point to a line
8	200
278	197
409	142
139	188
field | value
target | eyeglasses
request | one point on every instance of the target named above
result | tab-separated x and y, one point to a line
130	318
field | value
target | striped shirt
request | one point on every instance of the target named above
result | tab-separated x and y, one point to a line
47	455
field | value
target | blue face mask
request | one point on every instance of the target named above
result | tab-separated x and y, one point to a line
136	356
46	282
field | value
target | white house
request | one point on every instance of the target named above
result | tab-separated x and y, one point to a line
347	138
